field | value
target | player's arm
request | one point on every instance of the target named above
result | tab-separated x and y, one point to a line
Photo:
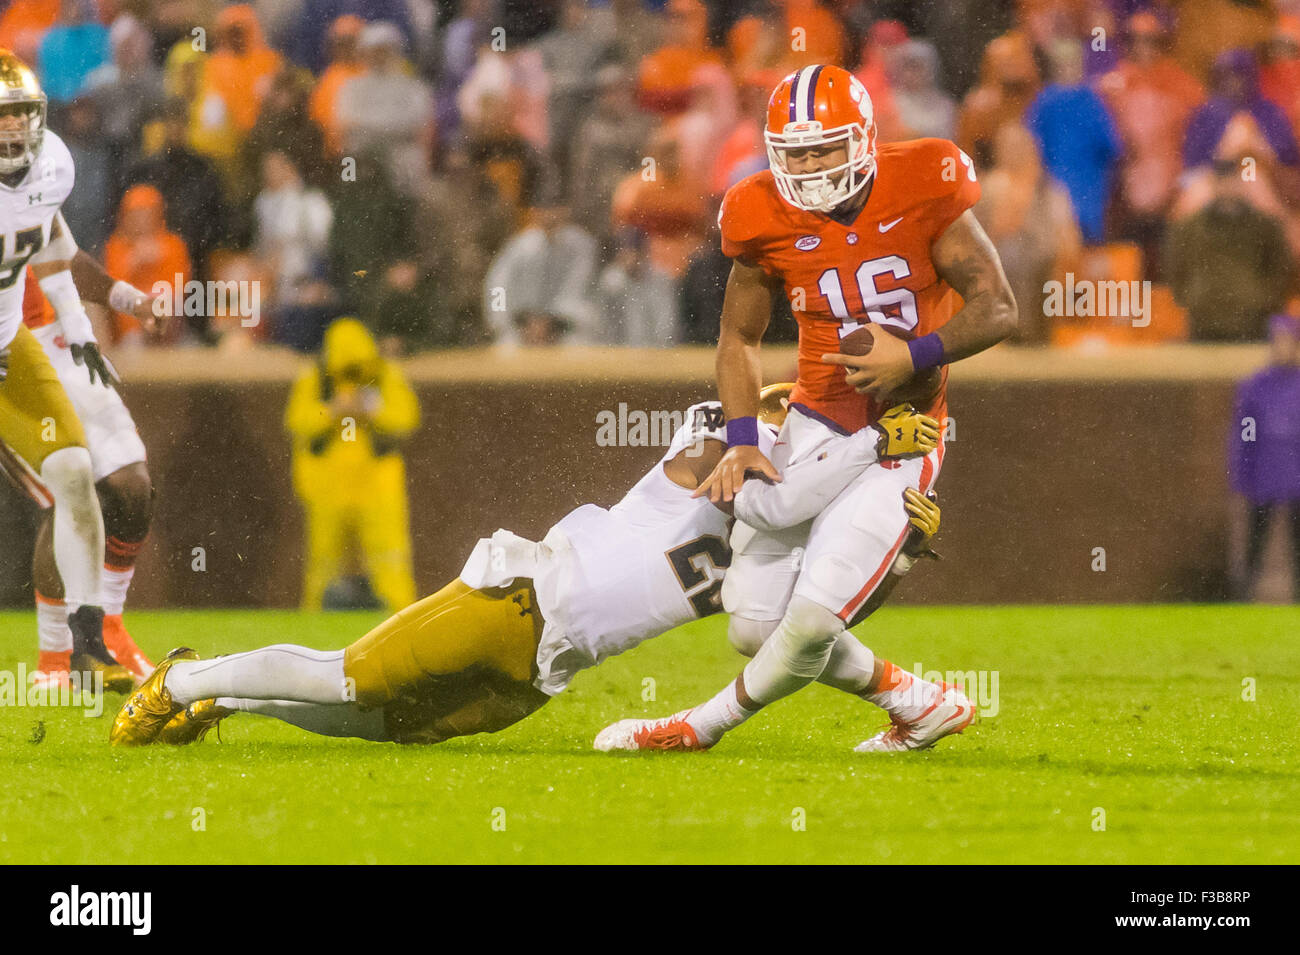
965	258
808	486
746	312
96	285
52	268
691	466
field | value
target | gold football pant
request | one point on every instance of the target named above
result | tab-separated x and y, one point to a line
458	662
36	415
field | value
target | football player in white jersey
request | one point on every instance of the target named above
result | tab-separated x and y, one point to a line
37	419
521	620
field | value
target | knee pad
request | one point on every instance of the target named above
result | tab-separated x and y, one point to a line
747	634
68	474
806	637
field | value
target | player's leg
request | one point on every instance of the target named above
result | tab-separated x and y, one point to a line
855	539
384	531
54	639
757	600
126	503
123	485
323	719
852	550
38	422
342	720
463	657
126	500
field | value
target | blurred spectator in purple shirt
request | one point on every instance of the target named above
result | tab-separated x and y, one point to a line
1234	89
1264	444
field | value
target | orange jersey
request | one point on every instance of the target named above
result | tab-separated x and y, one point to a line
37	310
877	269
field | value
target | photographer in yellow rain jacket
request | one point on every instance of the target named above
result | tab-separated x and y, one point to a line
348	415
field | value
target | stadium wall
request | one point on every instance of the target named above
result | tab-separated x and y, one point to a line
1053	455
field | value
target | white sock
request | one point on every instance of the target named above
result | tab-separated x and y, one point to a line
850	665
324	719
903	695
78	525
52	631
279	672
113	587
720	714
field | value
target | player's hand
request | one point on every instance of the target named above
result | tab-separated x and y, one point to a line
923	516
143	312
922	511
87	354
904	433
885	369
729	474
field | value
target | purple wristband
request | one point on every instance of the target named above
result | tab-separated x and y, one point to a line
742	431
927	351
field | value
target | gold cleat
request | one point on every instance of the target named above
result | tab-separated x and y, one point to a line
191	724
148	710
117	678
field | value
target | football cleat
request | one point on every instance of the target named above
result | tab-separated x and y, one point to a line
124	649
150	708
666	733
951	713
191	724
52	679
117	678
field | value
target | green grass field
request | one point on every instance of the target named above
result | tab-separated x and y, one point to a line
1137	711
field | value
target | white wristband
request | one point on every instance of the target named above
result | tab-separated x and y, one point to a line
124	297
902	564
62	293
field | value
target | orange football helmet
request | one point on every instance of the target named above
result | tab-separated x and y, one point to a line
820	106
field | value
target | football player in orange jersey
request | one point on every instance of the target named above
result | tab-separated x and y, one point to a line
856	236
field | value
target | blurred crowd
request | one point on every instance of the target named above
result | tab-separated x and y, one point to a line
528	172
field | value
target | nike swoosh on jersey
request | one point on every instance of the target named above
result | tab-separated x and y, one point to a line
886	226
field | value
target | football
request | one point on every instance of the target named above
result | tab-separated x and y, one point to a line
922	387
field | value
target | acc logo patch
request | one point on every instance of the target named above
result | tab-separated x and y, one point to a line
806	243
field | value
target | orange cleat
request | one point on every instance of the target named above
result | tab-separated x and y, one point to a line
53	670
123	648
949	714
667	733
